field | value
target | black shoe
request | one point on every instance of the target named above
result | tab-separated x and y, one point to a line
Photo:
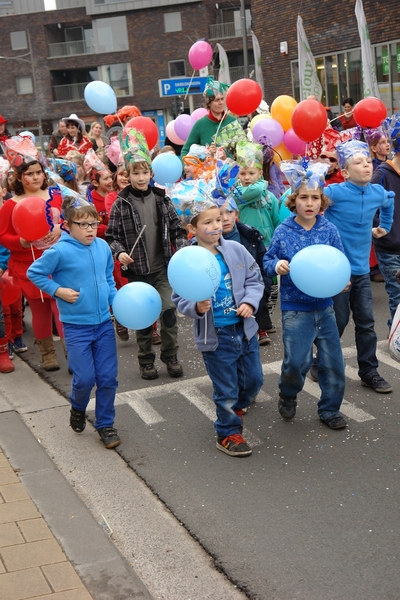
148	371
287	407
174	368
314	371
77	420
335	422
121	331
109	436
377	383
234	445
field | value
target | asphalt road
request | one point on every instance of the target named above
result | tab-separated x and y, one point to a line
312	514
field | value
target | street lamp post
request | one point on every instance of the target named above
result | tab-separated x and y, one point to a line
244	38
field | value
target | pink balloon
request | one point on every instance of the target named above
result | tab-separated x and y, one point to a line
183	124
171	135
268	131
199	113
200	55
293	143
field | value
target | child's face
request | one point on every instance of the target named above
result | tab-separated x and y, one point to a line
84	236
249	175
189	171
358	170
32	178
104	185
307	205
381	149
140	177
122	179
208	228
228	218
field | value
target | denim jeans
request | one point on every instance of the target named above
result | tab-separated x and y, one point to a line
300	330
358	299
389	264
92	358
236	374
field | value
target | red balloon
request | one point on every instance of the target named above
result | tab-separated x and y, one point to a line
147	127
29	218
10	292
309	120
369	112
243	97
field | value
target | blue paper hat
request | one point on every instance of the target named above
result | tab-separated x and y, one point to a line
225	183
190	198
313	176
66	169
391	126
348	149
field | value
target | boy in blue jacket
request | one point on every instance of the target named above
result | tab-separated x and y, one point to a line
306	320
81	266
353	207
230	348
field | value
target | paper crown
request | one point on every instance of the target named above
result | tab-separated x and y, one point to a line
190	198
313	176
20	151
249	154
114	153
4	169
391	127
225	183
92	164
229	136
372	136
134	147
66	169
347	150
213	88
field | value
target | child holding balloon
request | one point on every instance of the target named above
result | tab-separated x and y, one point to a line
306	319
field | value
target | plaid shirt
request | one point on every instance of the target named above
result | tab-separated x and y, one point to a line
124	227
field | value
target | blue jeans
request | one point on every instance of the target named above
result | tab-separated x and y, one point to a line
389	264
236	374
358	299
300	330
92	358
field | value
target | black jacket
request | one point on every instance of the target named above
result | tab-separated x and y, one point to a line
390	180
253	241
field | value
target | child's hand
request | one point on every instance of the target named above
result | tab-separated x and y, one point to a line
67	294
203	307
125	259
245	311
346	288
24	243
378	232
282	267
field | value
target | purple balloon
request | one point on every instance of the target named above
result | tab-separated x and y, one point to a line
183	124
198	113
268	130
293	143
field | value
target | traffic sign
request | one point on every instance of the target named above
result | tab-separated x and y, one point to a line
179	86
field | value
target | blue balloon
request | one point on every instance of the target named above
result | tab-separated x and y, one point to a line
320	271
100	97
194	273
167	168
137	305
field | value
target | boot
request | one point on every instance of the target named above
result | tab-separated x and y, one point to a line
6	365
48	352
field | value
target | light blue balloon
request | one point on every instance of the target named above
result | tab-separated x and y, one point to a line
167	168
28	134
320	271
194	273
100	97
137	305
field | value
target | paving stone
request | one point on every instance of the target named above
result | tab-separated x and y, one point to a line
13	492
62	577
81	594
7	475
29	583
35	529
18	511
33	554
10	535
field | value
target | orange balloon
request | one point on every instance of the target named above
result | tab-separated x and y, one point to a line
281	153
282	109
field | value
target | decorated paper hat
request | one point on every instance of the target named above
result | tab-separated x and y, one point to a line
313	175
225	183
201	160
213	88
114	153
92	164
134	147
391	127
229	136
190	198
66	169
372	136
249	155
4	169
20	151
348	149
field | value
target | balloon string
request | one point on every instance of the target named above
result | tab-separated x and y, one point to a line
205	329
219	126
34	258
190	83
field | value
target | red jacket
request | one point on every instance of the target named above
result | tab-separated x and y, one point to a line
66	145
99	203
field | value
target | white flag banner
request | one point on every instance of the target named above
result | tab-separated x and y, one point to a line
223	74
370	83
257	61
309	81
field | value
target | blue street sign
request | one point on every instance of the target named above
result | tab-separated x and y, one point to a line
179	86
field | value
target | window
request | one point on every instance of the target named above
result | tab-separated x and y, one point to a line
119	77
172	22
18	40
24	85
177	68
111	34
238	22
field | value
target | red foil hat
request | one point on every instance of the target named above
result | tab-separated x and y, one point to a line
92	164
20	151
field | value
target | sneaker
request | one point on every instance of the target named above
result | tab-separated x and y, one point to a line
121	331
109	436
314	371
148	371
335	422
19	345
234	445
77	420
10	350
263	337
155	338
287	407
174	368
377	383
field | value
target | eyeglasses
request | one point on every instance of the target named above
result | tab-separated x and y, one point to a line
330	158
93	225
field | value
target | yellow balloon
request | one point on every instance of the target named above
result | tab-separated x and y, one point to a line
282	109
281	153
257	118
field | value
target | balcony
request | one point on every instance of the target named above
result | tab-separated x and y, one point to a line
75	91
235	73
221	31
71	48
